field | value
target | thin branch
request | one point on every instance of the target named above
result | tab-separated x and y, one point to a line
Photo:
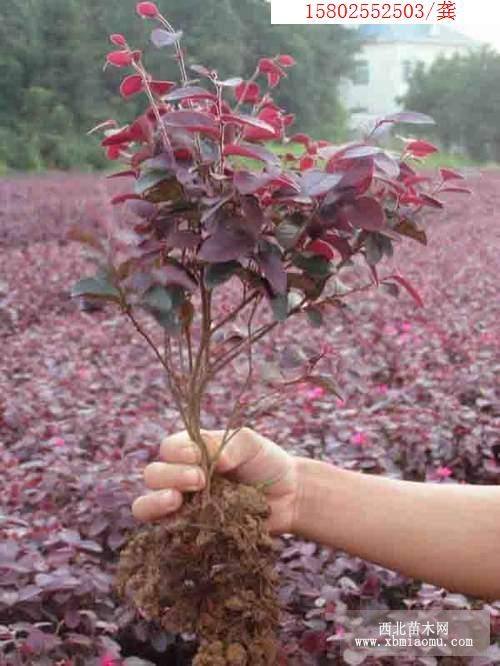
238	407
246	301
177	396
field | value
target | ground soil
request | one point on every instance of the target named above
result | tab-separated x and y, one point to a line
211	572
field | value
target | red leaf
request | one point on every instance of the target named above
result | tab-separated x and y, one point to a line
267	65
301	138
450	174
457	190
121	198
114	152
286	61
141	130
147	10
307	162
270	66
314	642
273	79
409	288
272	70
321	248
123	174
120	137
120	58
248	91
118	40
339	244
431	201
248	121
421	148
252	152
365	213
161	87
131	85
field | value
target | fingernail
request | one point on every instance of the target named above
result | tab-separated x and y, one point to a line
192	479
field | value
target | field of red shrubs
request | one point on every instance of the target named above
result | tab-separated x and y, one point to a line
83	408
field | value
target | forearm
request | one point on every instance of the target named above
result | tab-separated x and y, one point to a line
448	535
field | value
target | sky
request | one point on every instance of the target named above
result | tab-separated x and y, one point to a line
482	21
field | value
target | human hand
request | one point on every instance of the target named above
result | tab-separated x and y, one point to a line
248	458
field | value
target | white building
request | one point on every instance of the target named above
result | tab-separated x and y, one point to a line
386	60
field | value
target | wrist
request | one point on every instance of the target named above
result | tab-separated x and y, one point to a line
314	486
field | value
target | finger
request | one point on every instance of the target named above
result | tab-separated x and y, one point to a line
179	448
185	478
157	505
242	446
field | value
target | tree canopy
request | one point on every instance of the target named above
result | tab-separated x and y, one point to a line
462	94
54	87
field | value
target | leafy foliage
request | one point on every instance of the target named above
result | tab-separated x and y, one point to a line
52	79
215	202
79	417
464	121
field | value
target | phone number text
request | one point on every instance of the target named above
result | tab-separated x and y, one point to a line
352	11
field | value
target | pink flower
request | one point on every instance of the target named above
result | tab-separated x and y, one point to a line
406	326
382	388
58	441
390	330
109	660
340	403
443	473
315	393
359	438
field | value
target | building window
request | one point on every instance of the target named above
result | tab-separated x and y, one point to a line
362	73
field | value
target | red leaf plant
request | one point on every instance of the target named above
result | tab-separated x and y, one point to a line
213	203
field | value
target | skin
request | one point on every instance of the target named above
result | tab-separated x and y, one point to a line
448	535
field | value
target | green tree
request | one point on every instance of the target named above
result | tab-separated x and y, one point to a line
54	87
462	94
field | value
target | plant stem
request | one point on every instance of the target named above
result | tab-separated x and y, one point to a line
174	390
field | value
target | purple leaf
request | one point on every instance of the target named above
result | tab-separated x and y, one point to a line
171	274
231	240
192	121
315	183
365	213
143	209
29	592
72	618
253	215
100	523
162	38
184	240
189	93
247	182
410	117
231	83
115	540
271	265
251	151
